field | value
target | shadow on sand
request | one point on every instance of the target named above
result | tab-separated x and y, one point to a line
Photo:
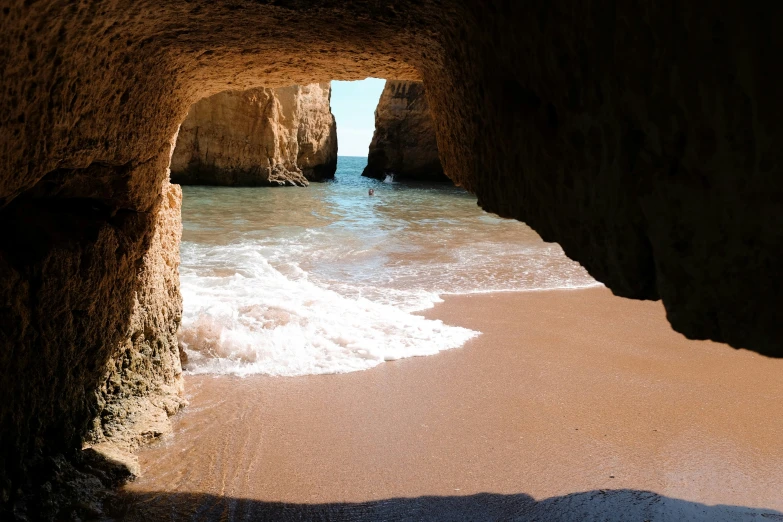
603	505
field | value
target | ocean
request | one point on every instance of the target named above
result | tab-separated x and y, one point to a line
327	279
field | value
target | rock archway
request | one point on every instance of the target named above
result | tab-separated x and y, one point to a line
644	138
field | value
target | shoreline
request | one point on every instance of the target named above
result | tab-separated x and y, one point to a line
571	401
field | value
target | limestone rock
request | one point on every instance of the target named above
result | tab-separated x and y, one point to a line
283	136
647	141
120	464
142	386
316	134
109	368
404	143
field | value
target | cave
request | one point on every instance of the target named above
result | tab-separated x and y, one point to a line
644	139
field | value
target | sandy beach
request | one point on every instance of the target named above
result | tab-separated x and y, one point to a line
571	405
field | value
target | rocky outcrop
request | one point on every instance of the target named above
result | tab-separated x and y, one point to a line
142	386
91	281
404	143
316	134
646	141
283	136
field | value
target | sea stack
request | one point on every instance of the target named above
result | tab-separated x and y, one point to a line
258	137
404	144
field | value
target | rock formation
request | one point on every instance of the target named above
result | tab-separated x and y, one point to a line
647	141
142	385
404	143
283	136
108	370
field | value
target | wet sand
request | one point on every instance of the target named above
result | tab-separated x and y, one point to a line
572	405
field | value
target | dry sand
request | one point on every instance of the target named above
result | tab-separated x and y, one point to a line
572	405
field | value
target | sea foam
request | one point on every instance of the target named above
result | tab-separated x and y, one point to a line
255	320
328	280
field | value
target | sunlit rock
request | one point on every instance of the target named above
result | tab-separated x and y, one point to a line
283	136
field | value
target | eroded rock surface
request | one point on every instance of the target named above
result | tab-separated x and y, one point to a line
283	136
647	141
91	288
143	384
404	144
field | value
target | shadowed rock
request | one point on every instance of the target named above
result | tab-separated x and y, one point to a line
403	144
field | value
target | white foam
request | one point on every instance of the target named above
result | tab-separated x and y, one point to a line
326	280
255	320
477	268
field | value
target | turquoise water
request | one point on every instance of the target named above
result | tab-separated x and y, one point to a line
323	279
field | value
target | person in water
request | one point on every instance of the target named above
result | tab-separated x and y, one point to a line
372	192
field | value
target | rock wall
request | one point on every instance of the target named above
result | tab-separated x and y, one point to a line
142	385
283	136
90	308
404	142
646	140
316	135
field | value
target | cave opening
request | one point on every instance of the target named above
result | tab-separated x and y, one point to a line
332	263
646	142
327	279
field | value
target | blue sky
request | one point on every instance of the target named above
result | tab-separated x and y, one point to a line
353	106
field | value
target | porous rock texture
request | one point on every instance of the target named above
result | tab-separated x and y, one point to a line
142	385
93	285
404	144
262	136
645	139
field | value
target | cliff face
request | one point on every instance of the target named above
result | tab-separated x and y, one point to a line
283	136
404	142
316	134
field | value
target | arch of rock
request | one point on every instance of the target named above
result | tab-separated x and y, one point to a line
646	139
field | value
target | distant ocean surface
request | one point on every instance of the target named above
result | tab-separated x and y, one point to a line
295	281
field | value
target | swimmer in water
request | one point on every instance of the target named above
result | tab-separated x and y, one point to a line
372	192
